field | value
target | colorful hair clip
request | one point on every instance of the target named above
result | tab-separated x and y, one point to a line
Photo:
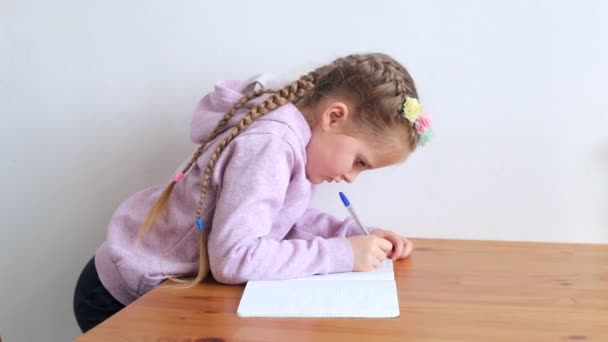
423	128
178	177
411	109
425	137
421	121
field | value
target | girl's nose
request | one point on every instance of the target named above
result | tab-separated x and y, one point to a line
350	177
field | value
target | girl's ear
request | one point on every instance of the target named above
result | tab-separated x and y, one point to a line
334	116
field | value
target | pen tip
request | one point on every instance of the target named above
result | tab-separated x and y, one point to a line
344	199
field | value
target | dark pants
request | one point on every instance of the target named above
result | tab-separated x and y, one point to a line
93	304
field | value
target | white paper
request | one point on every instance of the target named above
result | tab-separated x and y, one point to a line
351	294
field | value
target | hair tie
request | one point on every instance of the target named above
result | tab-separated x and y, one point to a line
178	177
412	111
423	123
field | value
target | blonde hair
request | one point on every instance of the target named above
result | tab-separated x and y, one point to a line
377	84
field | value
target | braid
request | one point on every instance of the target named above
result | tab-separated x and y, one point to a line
289	93
160	203
381	77
390	70
404	86
245	99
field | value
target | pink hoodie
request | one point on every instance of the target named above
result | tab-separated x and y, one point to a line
256	210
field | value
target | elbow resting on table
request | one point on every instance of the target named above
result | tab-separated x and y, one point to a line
234	267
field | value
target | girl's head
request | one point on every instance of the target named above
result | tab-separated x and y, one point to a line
355	112
363	113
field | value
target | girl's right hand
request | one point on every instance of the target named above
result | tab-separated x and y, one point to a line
369	251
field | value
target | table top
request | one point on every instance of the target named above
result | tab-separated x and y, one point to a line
449	290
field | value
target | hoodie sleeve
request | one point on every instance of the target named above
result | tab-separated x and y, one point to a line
316	223
256	174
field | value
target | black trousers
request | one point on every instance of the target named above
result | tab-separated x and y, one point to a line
93	304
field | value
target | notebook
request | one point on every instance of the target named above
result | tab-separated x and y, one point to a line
353	294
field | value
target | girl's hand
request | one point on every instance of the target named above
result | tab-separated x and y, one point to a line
402	247
369	251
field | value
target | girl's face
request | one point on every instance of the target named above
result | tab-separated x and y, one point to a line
332	155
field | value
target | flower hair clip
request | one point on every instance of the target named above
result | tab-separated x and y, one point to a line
413	112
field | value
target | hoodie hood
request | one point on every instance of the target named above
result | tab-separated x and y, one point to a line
214	105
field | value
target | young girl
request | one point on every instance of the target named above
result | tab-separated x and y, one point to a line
239	206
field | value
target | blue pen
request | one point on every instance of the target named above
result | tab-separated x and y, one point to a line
352	212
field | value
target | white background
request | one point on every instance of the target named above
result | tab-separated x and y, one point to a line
96	99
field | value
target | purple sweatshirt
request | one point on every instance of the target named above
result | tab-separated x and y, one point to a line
256	210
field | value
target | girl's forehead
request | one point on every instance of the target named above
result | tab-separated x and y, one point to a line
384	152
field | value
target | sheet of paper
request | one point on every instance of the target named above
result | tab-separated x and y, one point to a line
352	294
383	272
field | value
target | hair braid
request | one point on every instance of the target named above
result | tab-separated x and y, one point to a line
382	85
242	101
289	93
404	87
160	203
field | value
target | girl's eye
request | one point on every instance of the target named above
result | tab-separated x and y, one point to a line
361	163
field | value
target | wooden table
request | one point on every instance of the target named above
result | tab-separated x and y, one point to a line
449	290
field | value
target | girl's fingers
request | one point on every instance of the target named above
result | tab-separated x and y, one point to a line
380	255
409	247
385	244
398	248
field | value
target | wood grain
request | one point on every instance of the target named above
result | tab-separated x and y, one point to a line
449	290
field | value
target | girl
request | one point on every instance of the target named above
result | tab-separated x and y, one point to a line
239	206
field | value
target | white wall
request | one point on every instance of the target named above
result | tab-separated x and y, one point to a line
95	101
